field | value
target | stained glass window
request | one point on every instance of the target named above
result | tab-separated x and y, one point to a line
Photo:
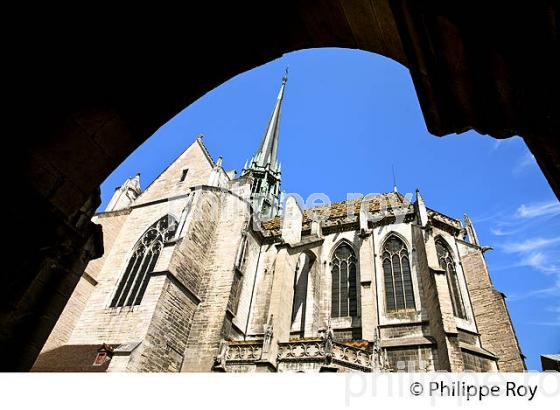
344	300
399	292
447	263
133	284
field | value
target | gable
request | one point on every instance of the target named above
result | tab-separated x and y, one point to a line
194	165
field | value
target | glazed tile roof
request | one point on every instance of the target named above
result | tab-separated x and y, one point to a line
360	344
347	211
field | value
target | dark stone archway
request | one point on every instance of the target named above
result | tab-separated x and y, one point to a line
88	89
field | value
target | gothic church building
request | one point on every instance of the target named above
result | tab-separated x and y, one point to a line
203	271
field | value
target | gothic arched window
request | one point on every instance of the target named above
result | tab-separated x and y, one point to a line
447	263
399	294
344	300
134	281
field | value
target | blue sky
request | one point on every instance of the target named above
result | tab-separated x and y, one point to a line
348	117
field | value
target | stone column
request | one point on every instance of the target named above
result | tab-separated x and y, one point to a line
208	323
368	292
282	294
490	311
446	318
437	300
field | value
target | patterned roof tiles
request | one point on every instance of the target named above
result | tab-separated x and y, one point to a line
339	210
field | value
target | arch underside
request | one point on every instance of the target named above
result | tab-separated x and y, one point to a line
80	110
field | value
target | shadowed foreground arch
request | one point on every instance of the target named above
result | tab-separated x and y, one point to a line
89	87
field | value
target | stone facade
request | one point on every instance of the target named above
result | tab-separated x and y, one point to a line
221	296
372	284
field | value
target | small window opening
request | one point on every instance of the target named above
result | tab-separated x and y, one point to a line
184	174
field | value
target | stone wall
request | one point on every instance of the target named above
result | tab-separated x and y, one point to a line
100	323
410	359
202	291
492	318
168	184
397	331
111	224
263	289
251	270
162	349
191	253
368	288
475	363
218	266
70	315
430	298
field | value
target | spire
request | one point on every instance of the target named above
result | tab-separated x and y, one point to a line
264	166
268	149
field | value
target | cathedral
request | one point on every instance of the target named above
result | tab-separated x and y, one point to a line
207	270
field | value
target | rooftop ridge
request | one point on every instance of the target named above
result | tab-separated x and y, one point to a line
205	149
341	208
442	214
